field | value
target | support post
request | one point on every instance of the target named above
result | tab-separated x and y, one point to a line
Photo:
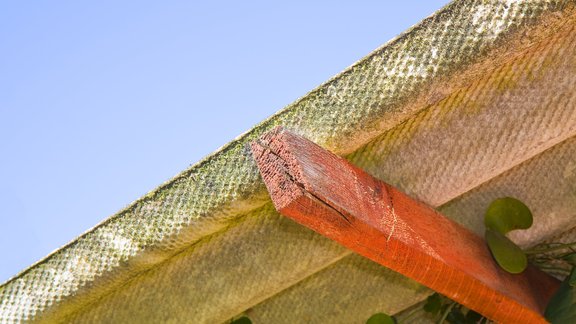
336	199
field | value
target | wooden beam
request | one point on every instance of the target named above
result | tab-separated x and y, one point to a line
336	199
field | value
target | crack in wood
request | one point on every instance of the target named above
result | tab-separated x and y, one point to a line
394	217
298	183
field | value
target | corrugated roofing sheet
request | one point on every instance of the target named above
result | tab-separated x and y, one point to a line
475	102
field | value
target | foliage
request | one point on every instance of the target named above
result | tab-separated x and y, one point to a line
502	216
561	308
443	310
381	318
507	214
560	259
241	320
508	255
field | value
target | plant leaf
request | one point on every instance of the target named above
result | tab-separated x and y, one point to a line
433	304
570	258
456	316
507	214
381	318
507	254
562	306
473	317
241	320
572	278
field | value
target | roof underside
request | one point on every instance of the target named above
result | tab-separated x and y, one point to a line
476	102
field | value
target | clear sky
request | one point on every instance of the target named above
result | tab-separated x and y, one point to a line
101	101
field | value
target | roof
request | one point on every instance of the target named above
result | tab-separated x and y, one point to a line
475	102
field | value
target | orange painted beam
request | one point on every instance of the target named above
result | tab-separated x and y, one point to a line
336	199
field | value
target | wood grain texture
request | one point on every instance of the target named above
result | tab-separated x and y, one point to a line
336	199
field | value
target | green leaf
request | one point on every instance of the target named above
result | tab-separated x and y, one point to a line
570	258
572	278
507	254
473	317
562	306
381	318
456	316
433	304
507	214
241	320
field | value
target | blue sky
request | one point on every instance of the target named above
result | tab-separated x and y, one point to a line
102	101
